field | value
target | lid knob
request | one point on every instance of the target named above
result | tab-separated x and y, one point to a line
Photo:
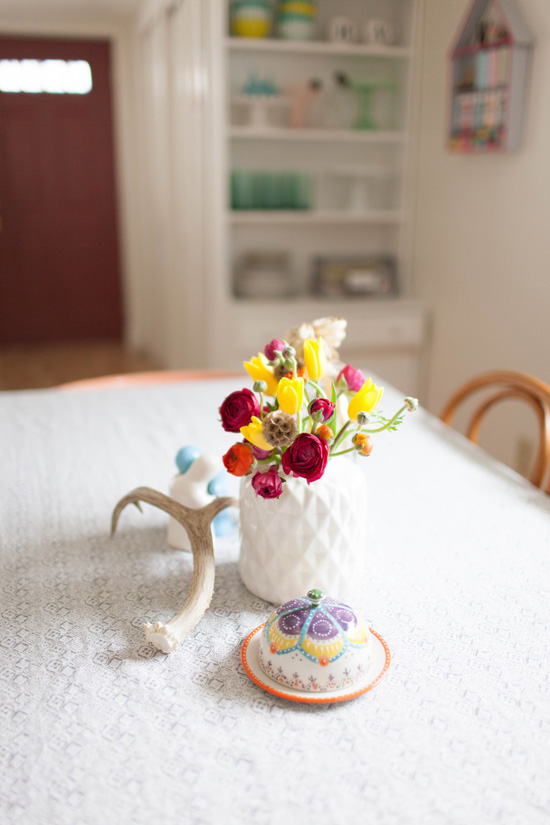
315	596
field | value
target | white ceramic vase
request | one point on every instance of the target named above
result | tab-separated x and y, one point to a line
313	536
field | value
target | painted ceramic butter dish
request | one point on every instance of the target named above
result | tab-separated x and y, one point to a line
315	649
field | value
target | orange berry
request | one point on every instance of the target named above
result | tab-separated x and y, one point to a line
299	373
368	446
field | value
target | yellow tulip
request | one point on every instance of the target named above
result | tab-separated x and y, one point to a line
253	433
315	357
259	370
290	394
365	400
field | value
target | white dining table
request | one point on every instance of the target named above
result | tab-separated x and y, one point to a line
99	727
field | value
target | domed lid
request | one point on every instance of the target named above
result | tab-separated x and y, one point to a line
320	628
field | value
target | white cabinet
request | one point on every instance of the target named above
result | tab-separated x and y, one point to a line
358	182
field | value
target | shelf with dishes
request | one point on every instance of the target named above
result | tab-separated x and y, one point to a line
330	194
317	47
273	94
277	274
315	135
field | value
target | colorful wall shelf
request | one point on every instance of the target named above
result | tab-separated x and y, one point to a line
489	70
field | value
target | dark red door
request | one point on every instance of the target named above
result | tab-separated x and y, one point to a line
59	260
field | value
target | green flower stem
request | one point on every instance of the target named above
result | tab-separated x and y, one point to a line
343	452
262	414
299	421
317	387
340	434
389	423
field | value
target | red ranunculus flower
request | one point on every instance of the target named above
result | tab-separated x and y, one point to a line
307	457
238	459
269	484
322	405
354	379
237	410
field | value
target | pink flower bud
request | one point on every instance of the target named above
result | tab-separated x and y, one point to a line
268	484
323	406
257	451
270	349
354	379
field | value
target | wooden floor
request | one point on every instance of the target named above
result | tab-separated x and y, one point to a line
33	366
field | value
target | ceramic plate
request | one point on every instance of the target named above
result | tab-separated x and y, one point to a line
377	669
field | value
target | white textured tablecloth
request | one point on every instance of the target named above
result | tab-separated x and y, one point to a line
97	727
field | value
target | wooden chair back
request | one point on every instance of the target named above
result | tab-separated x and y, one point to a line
506	384
140	379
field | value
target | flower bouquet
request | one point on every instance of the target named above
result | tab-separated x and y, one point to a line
289	421
304	410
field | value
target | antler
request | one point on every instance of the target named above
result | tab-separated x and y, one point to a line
166	637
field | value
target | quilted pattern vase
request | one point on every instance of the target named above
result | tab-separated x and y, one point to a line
313	536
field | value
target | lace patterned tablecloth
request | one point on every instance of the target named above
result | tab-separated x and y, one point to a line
96	726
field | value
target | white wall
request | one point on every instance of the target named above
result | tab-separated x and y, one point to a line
482	250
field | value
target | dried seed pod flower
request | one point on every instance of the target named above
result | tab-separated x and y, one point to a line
279	428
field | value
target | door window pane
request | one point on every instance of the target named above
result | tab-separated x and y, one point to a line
54	76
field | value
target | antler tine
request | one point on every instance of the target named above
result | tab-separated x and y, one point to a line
197	523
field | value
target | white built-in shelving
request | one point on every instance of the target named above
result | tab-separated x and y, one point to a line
211	151
333	226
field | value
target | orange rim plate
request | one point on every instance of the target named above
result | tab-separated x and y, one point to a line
377	669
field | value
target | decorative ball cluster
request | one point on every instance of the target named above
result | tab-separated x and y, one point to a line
279	428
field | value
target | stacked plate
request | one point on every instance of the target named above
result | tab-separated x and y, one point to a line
251	18
296	19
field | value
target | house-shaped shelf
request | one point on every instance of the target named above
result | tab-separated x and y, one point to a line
489	69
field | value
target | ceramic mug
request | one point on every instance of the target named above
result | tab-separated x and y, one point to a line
379	32
342	30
